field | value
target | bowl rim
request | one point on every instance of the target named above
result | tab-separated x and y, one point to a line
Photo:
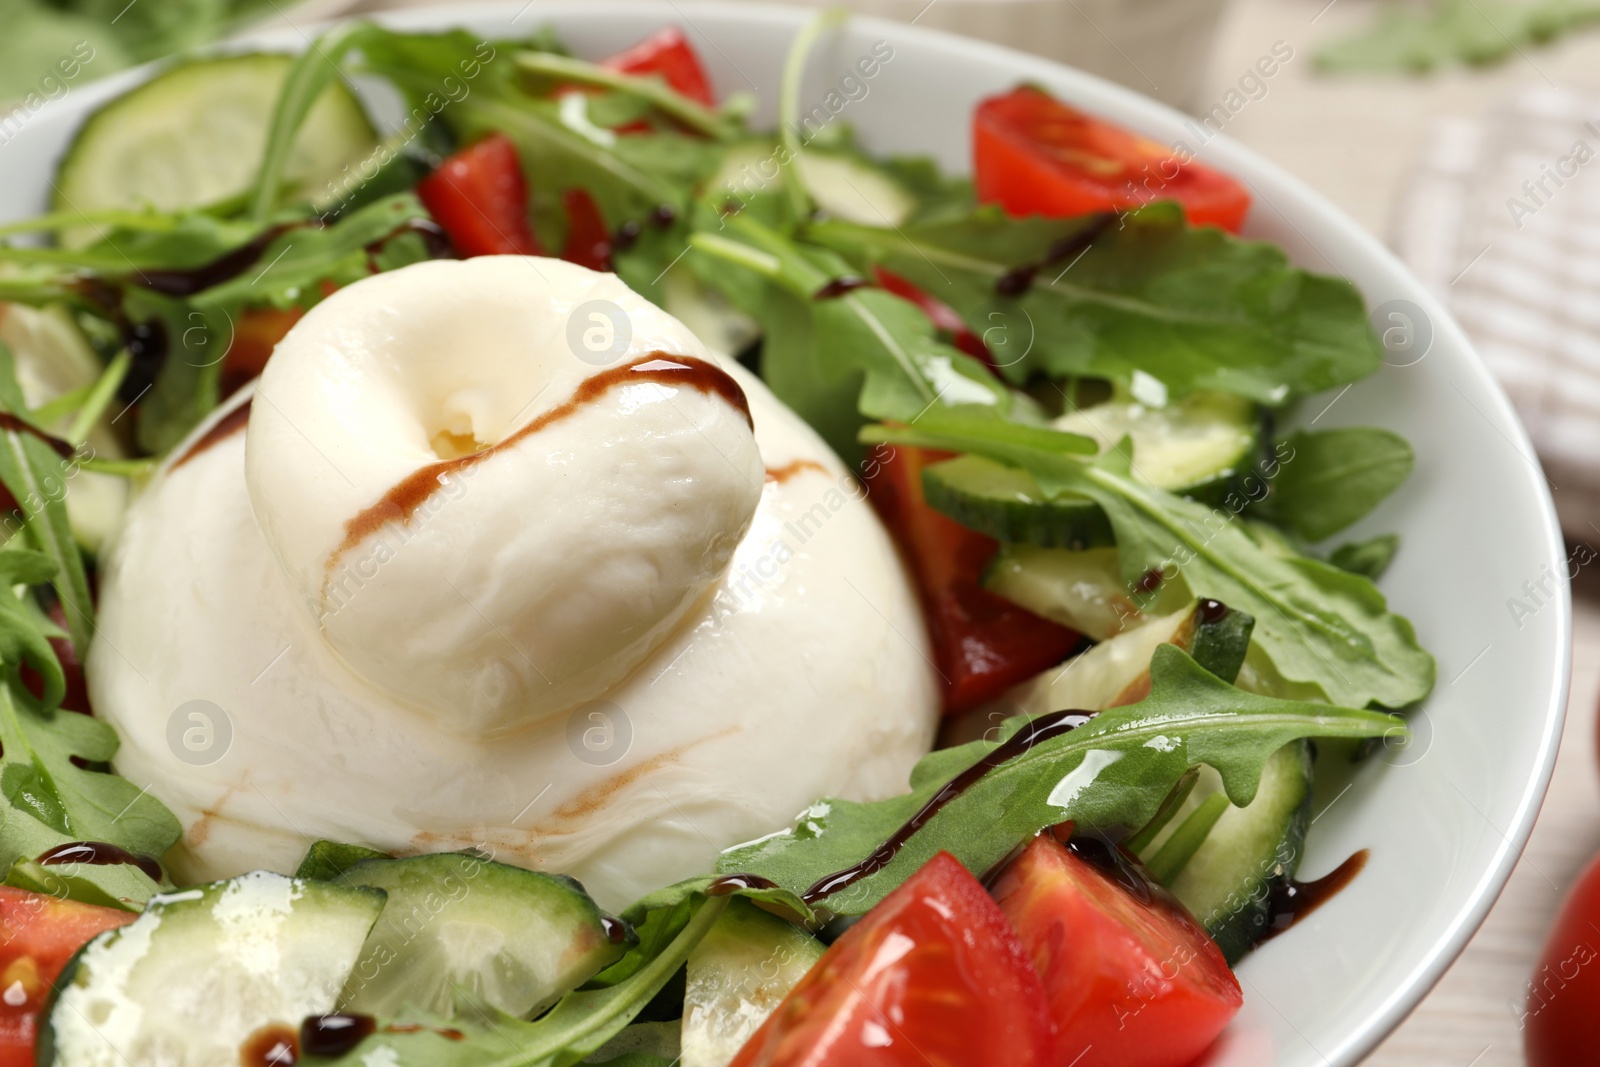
1288	196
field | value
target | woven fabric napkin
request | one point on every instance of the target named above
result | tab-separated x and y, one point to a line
1501	219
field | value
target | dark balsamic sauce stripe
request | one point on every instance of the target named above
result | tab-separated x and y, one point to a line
1019	279
402	501
845	283
1034	733
11	424
99	854
1292	901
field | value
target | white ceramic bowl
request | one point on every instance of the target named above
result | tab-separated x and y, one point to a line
1445	819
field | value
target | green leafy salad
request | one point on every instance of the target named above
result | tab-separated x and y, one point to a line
1064	388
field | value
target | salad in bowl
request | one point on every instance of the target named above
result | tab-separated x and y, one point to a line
514	560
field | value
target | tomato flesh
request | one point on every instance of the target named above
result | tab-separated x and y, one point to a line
1131	982
38	935
668	54
1558	1026
1034	155
588	240
931	977
480	197
983	644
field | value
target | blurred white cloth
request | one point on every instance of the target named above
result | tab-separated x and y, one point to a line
1501	219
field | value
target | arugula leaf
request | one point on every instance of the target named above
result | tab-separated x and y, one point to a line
36	469
1190	306
1333	478
866	344
1421	38
1112	773
1369	558
579	1024
51	800
1317	623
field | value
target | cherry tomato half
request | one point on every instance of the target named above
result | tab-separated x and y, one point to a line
931	977
1564	995
1132	979
667	53
983	644
480	197
1034	155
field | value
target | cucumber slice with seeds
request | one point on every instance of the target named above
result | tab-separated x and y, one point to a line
193	135
1200	446
737	976
1117	672
1084	590
458	924
1186	446
202	970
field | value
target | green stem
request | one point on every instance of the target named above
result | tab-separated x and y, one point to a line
310	73
1140	841
57	408
585	1020
794	70
99	398
125	468
1171	858
660	96
738	253
63	220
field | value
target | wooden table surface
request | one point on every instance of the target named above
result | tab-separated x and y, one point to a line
1355	140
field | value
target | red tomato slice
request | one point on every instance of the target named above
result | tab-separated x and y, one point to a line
1034	155
1558	1027
667	53
480	198
931	977
38	935
983	644
1131	982
588	240
942	315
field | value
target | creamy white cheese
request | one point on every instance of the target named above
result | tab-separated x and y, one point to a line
787	665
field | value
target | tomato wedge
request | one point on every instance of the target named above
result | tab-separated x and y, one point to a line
983	644
1132	979
931	977
1034	155
667	53
480	197
38	935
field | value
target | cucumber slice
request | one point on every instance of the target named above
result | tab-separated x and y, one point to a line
193	135
1199	446
741	971
1186	446
455	923
1117	672
202	970
844	185
1084	590
852	189
1006	503
1228	881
